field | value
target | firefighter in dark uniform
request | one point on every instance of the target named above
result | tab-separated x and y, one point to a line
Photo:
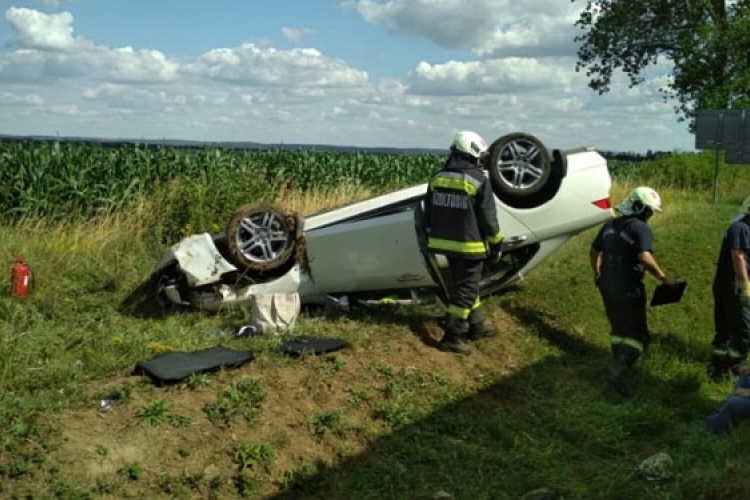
461	223
731	293
621	253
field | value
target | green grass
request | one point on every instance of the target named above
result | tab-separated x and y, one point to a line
389	418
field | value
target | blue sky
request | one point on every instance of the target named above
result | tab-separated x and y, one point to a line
371	73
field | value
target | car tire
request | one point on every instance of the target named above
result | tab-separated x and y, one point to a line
522	171
261	237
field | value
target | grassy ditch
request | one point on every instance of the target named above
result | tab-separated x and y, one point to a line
391	417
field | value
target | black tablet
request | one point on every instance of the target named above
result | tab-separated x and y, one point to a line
668	294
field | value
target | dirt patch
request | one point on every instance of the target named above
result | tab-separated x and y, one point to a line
300	395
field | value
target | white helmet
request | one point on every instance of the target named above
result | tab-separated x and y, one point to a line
745	207
638	200
470	143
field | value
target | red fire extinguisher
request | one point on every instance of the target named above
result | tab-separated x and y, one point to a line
20	277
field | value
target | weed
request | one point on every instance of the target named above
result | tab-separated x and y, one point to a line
65	491
359	398
322	423
14	469
104	486
244	484
102	451
193	481
120	393
24	440
154	414
171	485
395	391
297	477
240	398
332	363
179	421
248	455
215	486
394	414
131	471
198	381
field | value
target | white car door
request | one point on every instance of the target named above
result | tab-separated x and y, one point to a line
383	252
377	253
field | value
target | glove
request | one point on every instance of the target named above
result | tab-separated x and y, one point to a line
745	293
496	254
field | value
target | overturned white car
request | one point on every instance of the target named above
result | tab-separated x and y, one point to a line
377	247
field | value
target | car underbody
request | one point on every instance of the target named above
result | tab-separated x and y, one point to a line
376	248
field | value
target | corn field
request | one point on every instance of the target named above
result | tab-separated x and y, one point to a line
54	179
57	179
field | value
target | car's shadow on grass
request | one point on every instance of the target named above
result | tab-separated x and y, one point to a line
143	302
548	424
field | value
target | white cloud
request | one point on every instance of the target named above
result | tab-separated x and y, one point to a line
295	34
49	52
448	23
500	76
491	28
251	65
149	97
540	36
14	99
71	110
127	65
36	30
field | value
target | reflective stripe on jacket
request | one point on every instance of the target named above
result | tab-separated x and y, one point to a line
460	211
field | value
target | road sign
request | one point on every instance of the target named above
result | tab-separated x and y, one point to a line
722	129
727	129
737	155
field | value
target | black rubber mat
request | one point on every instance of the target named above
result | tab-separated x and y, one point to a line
175	366
303	344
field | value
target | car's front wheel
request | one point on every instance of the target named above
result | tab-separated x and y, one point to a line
261	237
522	171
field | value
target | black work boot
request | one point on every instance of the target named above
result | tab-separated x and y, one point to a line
482	331
452	340
624	358
719	367
453	343
478	329
616	377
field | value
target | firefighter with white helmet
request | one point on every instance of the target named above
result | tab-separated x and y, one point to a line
620	254
731	294
461	223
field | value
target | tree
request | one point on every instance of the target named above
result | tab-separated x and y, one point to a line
706	42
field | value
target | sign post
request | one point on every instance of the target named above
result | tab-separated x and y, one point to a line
725	129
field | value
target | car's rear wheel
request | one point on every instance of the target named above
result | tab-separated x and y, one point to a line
261	237
522	171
